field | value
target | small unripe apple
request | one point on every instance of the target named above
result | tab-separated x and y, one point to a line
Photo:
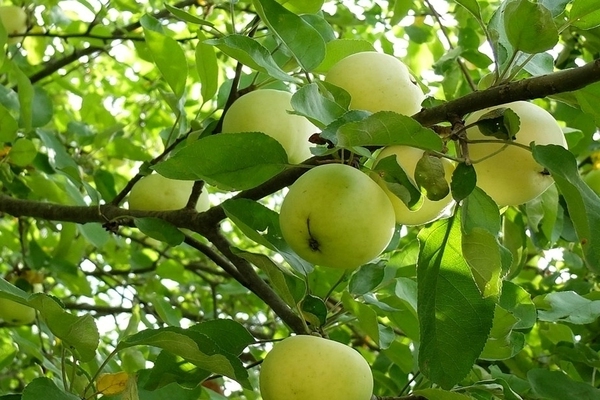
157	193
266	111
407	158
592	179
512	176
16	313
336	216
312	368
377	82
14	20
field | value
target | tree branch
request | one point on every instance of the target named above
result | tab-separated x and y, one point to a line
526	89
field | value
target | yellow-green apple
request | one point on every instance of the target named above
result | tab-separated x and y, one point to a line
312	368
156	193
15	313
14	20
377	82
592	178
266	110
507	173
336	216
407	158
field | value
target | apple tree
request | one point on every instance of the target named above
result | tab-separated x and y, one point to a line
444	228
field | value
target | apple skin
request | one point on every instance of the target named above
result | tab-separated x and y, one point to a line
513	177
14	20
266	110
407	157
157	193
16	313
377	82
336	216
309	367
592	179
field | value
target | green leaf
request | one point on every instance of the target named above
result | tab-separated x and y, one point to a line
261	224
398	182
585	14
77	332
251	53
582	202
8	126
454	318
228	161
366	278
319	109
438	394
385	128
167	55
567	307
42	108
555	385
207	68
517	301
472	6
22	152
530	27
302	6
367	317
338	49
304	41
406	290
502	123
44	388
160	229
481	251
230	335
480	211
503	343
431	177
314	310
187	17
290	288
195	347
26	93
464	180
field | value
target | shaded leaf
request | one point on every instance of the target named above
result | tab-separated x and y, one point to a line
555	385
44	388
464	180
160	229
431	177
398	182
567	307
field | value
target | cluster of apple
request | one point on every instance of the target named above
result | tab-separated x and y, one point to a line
14	19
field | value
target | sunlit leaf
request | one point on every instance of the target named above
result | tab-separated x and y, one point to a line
453	316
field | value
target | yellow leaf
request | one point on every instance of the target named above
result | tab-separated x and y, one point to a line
109	384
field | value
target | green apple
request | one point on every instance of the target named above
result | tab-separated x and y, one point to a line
312	368
157	193
509	174
592	179
336	216
16	313
266	110
14	20
377	82
407	158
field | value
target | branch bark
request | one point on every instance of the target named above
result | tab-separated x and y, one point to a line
206	223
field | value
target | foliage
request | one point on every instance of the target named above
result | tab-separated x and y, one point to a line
487	303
